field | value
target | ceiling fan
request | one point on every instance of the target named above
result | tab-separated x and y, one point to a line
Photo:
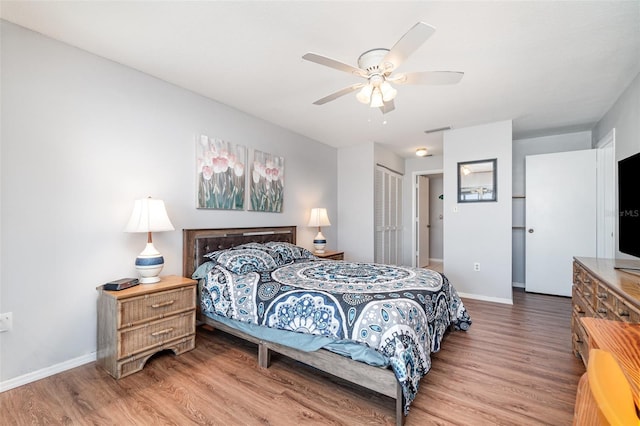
377	66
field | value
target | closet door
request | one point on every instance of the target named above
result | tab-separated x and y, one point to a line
388	216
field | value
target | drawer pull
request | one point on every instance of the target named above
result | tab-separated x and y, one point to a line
162	304
161	332
623	313
602	296
602	311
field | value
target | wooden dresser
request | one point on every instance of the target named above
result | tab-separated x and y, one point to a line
600	291
622	340
135	323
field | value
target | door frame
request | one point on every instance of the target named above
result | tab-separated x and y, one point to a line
414	209
608	141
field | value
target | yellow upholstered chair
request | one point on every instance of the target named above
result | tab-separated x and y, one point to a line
611	390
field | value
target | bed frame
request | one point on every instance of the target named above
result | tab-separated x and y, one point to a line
197	242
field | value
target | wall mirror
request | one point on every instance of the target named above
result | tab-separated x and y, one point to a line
477	181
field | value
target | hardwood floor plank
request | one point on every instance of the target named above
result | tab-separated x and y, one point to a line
515	366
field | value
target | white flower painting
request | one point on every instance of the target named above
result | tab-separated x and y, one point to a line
220	168
266	183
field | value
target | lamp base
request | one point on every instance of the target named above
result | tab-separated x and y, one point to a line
149	280
149	263
319	243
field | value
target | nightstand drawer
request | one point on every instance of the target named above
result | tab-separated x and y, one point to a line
144	337
157	305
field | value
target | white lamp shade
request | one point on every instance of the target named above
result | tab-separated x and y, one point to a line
149	215
388	92
376	99
319	217
364	95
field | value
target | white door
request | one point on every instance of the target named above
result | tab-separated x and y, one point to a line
560	218
388	217
423	224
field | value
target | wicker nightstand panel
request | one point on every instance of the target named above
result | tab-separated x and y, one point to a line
145	308
152	335
136	363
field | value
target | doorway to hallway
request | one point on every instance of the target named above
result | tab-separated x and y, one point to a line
428	223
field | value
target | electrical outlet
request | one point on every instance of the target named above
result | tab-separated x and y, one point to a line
6	322
476	266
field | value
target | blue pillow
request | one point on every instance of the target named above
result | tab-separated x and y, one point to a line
243	260
285	253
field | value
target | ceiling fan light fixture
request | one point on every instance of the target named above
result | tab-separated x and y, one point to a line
377	67
376	99
422	152
364	95
388	92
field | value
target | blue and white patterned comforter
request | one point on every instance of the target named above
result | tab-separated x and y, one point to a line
400	312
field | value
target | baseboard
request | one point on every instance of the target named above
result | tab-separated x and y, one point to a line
433	259
518	285
46	372
486	298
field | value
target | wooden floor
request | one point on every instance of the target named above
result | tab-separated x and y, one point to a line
514	367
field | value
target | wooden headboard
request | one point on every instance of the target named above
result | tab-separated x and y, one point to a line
198	242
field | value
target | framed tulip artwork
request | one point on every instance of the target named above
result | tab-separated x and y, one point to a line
220	174
266	182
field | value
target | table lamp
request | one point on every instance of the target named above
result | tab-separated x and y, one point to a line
319	218
149	215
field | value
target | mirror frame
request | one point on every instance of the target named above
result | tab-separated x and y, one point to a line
494	173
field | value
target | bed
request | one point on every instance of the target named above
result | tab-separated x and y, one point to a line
370	324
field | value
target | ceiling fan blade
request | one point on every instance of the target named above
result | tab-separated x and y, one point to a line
388	107
428	77
339	93
332	63
408	43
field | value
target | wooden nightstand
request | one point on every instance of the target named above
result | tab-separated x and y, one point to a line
330	254
135	323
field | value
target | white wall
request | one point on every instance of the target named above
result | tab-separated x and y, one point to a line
624	116
388	159
534	146
479	232
356	175
82	137
356	166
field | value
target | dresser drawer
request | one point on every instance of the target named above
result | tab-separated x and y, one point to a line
605	303
604	296
626	312
157	305
580	306
585	283
580	338
156	333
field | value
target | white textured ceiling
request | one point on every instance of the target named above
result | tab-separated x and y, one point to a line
551	67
